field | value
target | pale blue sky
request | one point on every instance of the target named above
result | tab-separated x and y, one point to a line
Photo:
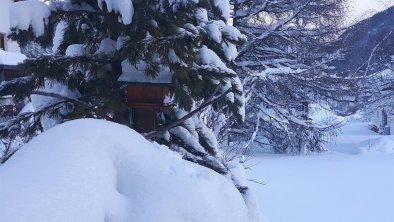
360	7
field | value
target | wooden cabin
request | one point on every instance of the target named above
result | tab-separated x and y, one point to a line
8	65
10	56
145	97
9	71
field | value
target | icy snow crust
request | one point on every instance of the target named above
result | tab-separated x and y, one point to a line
92	170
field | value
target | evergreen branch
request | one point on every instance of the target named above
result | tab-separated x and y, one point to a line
11	125
76	101
188	116
58	96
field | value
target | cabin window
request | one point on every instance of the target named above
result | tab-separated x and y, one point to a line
2	41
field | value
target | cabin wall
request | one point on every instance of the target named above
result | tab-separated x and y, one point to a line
144	120
5	25
11	74
146	94
145	102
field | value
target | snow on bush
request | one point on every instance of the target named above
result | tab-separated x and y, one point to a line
35	13
107	47
75	50
210	61
32	13
92	170
218	30
224	7
124	7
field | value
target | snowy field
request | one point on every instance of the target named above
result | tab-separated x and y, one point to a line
354	183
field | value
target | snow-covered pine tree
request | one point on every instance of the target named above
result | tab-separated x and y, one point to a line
284	70
96	39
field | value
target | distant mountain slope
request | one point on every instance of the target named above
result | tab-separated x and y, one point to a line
361	39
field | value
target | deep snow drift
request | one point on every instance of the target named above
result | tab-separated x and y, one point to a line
354	183
92	171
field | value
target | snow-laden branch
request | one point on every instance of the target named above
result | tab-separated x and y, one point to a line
247	47
189	115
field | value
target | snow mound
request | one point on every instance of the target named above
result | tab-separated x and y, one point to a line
384	144
92	170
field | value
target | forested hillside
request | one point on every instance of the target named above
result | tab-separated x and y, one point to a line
367	44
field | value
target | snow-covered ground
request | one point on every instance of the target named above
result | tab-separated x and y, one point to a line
353	183
87	170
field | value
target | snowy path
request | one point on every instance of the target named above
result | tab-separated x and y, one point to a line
352	184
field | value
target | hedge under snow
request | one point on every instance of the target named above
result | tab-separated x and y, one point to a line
95	171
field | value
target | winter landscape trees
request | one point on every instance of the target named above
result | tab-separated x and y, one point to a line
98	41
285	69
243	74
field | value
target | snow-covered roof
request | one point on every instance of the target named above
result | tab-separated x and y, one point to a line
132	74
11	58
